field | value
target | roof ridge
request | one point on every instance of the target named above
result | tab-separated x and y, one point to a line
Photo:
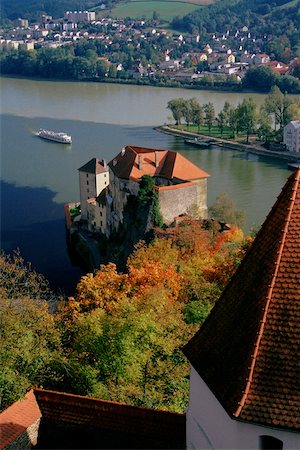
269	296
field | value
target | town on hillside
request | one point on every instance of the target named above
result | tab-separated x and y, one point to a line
88	45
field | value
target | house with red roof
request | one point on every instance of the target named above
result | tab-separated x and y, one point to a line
245	359
180	184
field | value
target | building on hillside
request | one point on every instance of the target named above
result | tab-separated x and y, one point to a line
180	184
245	383
80	16
261	58
93	180
291	136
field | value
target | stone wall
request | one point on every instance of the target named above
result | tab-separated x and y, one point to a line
178	199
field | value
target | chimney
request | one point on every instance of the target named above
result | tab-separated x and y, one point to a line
140	164
156	160
123	151
104	163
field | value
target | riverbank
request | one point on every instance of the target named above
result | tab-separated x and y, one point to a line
256	148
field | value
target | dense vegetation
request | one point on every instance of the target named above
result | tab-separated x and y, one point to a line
120	336
33	9
267	123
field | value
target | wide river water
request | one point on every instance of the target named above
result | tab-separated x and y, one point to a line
38	177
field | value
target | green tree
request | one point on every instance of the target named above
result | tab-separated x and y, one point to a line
221	121
264	125
281	107
209	112
247	116
30	349
225	210
177	108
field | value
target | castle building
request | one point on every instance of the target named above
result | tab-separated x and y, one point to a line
180	184
93	179
245	379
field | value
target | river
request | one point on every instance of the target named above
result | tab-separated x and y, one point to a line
38	177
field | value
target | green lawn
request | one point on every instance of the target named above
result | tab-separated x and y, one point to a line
215	131
144	9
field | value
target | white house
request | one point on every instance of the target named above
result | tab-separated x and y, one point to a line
245	383
291	136
93	179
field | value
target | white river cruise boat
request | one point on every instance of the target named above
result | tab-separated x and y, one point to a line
62	138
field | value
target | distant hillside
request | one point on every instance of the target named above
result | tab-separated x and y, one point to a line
279	18
31	9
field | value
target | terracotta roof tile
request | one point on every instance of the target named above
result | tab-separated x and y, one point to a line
17	418
248	350
75	410
134	162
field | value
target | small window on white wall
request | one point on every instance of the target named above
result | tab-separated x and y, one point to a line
270	443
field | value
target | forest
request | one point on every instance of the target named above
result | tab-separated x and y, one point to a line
120	336
33	9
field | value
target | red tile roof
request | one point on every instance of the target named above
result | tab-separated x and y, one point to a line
79	411
15	420
248	350
134	162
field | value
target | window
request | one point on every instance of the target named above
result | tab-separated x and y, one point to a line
87	182
87	174
105	175
88	191
270	443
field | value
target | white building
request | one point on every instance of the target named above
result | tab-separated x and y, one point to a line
291	136
80	16
93	179
245	383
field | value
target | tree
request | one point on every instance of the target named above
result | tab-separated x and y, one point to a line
233	121
264	125
209	111
221	121
282	107
188	111
225	210
261	78
247	116
177	108
18	280
102	68
30	350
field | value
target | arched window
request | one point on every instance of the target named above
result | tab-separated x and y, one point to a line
270	443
